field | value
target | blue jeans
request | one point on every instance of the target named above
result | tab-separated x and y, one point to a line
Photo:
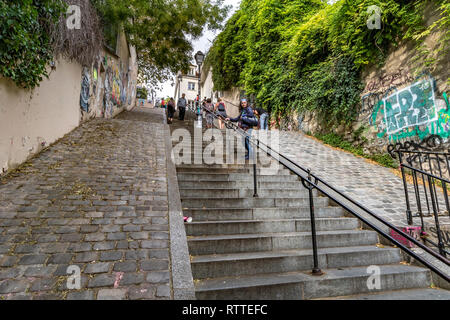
263	122
248	146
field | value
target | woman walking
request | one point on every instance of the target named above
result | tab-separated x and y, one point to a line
170	110
209	109
221	111
246	121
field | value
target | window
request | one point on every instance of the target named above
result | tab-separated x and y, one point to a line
191	85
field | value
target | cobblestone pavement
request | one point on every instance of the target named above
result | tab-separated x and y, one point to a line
376	187
96	199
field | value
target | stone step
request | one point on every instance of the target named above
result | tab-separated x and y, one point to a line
242	264
409	294
302	285
238	144
216	244
192	176
199	228
216	193
239	184
223	213
199	202
248	169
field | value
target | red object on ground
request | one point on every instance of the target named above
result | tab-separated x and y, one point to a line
413	231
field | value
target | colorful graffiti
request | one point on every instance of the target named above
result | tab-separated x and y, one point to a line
108	82
85	90
412	112
412	106
108	109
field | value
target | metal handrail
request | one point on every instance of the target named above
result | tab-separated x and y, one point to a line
426	173
314	184
426	152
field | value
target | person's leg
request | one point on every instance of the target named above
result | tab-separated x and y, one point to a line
250	148
263	121
246	148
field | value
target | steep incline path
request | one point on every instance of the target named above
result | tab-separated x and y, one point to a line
96	199
244	247
377	187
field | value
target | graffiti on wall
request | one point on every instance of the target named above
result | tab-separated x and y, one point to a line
85	90
108	105
409	107
413	112
384	82
106	87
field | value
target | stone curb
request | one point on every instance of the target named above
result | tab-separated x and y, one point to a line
182	280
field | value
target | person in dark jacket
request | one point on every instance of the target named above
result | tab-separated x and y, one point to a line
170	110
246	121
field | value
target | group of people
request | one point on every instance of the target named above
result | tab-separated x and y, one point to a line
171	108
246	110
248	118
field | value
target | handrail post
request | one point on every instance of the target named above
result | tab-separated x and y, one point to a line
436	219
255	182
316	270
405	186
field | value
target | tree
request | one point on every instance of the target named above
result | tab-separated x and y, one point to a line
162	30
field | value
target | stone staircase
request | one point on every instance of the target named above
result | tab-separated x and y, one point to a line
242	247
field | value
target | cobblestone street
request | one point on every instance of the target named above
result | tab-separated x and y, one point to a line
377	187
96	199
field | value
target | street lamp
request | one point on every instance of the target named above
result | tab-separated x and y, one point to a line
199	57
180	77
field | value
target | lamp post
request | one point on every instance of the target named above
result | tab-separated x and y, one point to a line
199	57
180	77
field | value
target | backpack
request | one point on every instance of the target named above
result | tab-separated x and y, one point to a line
250	121
221	107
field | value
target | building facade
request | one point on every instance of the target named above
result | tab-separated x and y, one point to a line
187	83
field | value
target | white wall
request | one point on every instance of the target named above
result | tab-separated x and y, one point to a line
190	94
31	120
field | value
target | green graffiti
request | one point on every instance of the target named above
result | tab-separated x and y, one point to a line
411	112
446	99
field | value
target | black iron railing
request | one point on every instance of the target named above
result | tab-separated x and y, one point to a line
311	182
429	172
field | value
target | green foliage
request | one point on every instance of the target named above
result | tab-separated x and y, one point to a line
25	40
337	141
141	93
304	55
162	30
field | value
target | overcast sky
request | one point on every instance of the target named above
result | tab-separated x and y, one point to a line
202	44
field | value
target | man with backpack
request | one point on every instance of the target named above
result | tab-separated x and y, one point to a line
221	111
246	121
181	104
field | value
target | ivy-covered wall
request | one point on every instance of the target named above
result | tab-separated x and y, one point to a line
309	62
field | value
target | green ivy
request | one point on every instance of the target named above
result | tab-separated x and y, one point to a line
25	40
307	55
